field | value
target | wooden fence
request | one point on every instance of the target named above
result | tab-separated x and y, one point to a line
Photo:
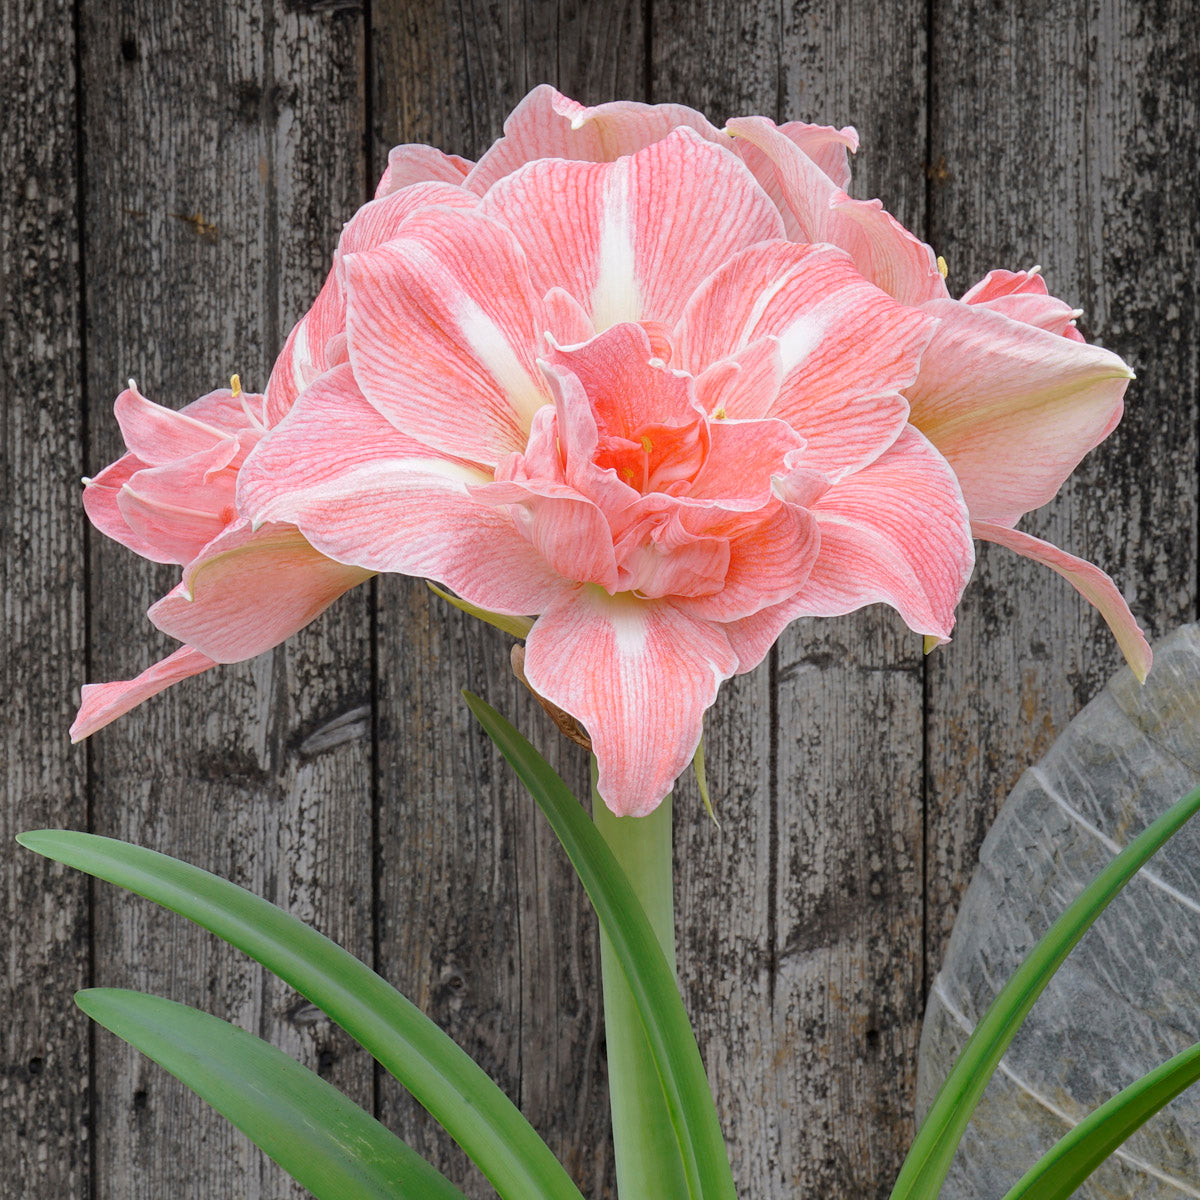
173	176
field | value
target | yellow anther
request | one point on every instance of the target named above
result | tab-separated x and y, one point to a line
719	415
647	444
235	385
945	270
627	474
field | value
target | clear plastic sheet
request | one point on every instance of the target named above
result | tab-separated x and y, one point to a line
1129	995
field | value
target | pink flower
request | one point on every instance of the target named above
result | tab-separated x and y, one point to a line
172	499
662	387
1047	403
616	397
1008	391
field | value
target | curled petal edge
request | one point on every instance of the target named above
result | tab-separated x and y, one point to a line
1089	581
103	703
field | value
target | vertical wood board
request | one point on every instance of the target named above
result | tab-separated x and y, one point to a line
44	1063
481	920
223	143
1066	136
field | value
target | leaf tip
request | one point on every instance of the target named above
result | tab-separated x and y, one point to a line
39	840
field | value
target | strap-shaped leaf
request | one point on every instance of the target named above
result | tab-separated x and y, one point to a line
1074	1157
932	1151
309	1128
668	1031
444	1079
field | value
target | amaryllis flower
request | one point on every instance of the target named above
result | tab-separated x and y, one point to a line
615	397
661	388
171	499
1010	408
1008	391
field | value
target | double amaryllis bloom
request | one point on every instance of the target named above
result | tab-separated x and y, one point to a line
662	387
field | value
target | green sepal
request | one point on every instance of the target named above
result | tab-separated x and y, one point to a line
517	627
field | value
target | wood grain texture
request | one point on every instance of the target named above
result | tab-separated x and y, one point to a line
481	920
807	986
44	1149
224	145
1066	135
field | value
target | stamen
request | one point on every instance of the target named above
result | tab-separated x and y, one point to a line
256	422
943	269
719	415
647	444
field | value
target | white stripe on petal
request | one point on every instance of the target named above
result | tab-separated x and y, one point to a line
301	355
495	351
800	339
616	296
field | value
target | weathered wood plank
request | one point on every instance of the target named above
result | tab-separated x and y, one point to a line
1061	134
44	1149
817	965
224	147
725	60
481	920
851	811
1067	136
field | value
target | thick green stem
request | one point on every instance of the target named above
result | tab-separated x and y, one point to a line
648	1162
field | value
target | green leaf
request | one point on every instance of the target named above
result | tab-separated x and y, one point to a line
309	1128
1072	1159
442	1077
650	978
932	1151
518	627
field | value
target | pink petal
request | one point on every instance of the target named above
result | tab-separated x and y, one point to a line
1012	408
742	458
572	439
317	341
223	410
568	531
305	353
1088	580
177	509
444	334
383	219
626	391
103	703
1023	296
250	590
882	249
743	385
159	435
895	532
546	124
415	163
100	502
826	146
1046	312
364	493
845	348
767	565
660	557
753	636
632	239
638	675
566	318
